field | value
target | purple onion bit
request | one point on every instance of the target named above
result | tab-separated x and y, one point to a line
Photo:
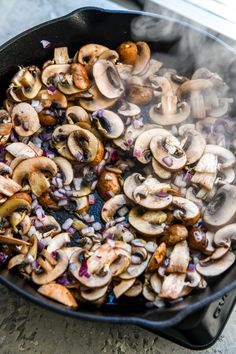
191	267
3	257
162	194
83	272
65	280
168	161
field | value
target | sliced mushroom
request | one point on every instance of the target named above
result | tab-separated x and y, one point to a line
225	176
34	170
25	119
122	287
148	193
128	52
108	184
8	187
121	263
226	157
107	79
129	109
54	99
76	114
89	53
206	171
97	101
179	258
142	58
193	144
158	116
135	289
217	267
159	170
192	279
59	138
47	277
168	152
91	294
185	210
197	239
108	123
7	240
134	270
110	208
148	292
175	233
148	223
59	293
172	286
27	82
58	242
13	204
15	261
221	210
157	257
20	149
224	236
66	169
82	145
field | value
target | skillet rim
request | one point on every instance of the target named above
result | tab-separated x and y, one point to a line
137	320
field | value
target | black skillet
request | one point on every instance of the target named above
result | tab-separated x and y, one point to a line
181	46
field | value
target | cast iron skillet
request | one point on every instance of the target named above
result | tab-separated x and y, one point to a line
171	40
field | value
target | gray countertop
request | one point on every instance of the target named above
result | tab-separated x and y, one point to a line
27	328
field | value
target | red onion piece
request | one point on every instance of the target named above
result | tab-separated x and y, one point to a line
137	153
191	267
83	272
45	43
162	194
168	161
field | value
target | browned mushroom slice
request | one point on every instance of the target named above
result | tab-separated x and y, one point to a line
59	293
25	119
224	155
148	223
111	206
197	239
217	267
159	170
122	287
28	83
91	294
5	125
59	138
15	261
157	257
134	270
221	210
97	101
81	273
175	233
108	123
121	263
111	55
48	277
76	114
179	258
128	52
193	144
185	210
148	292
8	187
66	169
53	99
135	289
107	79
13	241
168	152
103	256
142	59
20	149
172	286
148	193
34	169
89	52
13	204
82	145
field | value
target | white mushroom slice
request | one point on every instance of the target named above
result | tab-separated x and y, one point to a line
204	179
210	239
58	241
98	101
134	270
193	144
66	169
149	223
108	123
83	145
222	208
225	157
172	286
93	294
59	293
52	71
225	176
142	59
60	136
185	210
122	287
222	108
216	267
48	277
142	144
8	187
107	79
168	152
225	235
156	282
76	114
158	117
61	55
207	163
179	258
129	110
103	256
192	279
20	149
15	261
25	119
119	232
127	140
159	170
50	226
121	263
135	290
148	193
148	293
17	160
112	205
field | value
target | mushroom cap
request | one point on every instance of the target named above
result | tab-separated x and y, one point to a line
47	277
128	52
107	79
222	208
149	193
59	293
193	144
169	119
98	101
111	206
109	124
143	222
217	267
142	143
66	169
186	210
34	169
168	152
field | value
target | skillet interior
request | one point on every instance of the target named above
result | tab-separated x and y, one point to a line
93	25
